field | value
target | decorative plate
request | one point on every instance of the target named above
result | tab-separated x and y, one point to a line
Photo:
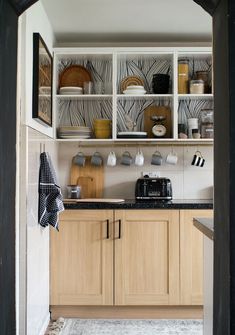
74	75
131	81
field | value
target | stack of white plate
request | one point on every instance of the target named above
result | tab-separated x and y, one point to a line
132	134
74	132
135	90
71	90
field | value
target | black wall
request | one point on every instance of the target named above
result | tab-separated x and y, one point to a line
224	159
8	61
224	65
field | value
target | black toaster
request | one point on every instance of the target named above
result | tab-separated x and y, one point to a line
153	189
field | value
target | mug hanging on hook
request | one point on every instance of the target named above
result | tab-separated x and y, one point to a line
139	158
198	159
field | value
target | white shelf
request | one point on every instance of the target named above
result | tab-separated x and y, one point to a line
94	140
84	108
194	140
144	96
83	96
195	96
140	140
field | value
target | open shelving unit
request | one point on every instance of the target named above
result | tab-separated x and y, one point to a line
110	66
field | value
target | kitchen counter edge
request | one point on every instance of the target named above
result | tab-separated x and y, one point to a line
132	204
206	226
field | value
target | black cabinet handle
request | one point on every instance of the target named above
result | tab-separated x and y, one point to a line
107	236
119	229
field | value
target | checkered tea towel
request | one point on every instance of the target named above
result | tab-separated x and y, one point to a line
50	197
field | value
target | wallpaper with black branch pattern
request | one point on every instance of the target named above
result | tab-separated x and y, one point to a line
83	112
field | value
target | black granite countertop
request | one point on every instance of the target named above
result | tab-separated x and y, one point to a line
133	204
205	225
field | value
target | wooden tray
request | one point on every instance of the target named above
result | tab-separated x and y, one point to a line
131	80
74	75
89	177
158	111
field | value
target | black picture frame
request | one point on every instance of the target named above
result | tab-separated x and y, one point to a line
42	81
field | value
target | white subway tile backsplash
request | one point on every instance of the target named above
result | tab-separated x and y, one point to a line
118	179
198	185
189	182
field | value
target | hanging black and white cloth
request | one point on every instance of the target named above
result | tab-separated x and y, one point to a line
50	196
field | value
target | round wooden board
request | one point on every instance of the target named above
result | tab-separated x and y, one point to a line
74	75
131	80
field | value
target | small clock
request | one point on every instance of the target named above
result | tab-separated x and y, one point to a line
159	130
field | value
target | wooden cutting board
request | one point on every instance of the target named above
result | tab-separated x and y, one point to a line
89	177
157	111
88	186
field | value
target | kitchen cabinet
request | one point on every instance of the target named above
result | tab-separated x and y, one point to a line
147	257
82	259
127	258
191	257
144	271
108	67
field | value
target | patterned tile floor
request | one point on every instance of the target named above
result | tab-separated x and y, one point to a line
132	327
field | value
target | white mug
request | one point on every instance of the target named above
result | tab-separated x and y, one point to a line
139	158
112	159
172	158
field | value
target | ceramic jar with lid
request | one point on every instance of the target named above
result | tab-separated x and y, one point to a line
192	124
160	83
204	75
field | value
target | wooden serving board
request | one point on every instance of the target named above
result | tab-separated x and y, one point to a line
89	177
157	111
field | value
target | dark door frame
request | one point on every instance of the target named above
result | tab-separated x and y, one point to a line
223	12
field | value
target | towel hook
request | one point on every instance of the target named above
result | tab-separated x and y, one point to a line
42	147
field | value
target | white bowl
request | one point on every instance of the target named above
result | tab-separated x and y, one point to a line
135	87
134	92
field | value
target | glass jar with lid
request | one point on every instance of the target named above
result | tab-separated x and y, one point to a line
183	76
197	86
207	123
74	191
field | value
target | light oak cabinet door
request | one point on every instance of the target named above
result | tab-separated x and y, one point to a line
191	257
147	257
82	259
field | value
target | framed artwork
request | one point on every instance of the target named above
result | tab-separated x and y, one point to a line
42	81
